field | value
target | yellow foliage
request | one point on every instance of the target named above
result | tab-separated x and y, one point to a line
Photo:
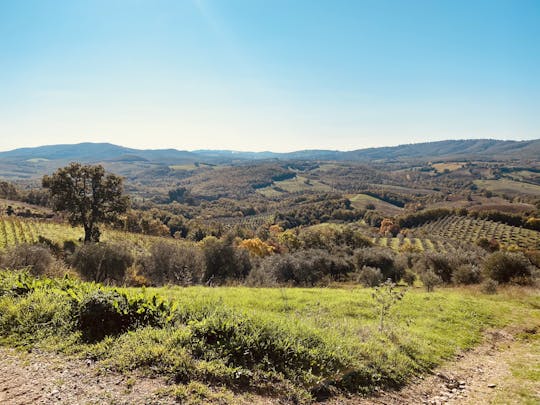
257	247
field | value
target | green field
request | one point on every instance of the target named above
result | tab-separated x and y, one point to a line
505	186
294	185
360	201
288	343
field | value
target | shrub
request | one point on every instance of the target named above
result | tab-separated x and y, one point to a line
385	297
444	264
380	258
504	267
441	264
491	245
173	263
466	274
102	262
307	267
222	261
370	276
489	286
33	315
101	314
430	280
409	277
37	258
108	312
260	277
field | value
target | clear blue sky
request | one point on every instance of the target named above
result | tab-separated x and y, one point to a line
267	75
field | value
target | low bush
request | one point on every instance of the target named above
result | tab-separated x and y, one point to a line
443	265
430	280
37	258
222	261
489	286
466	274
306	267
505	267
172	263
380	258
409	277
107	313
102	262
369	276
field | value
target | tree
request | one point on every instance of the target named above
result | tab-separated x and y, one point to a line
87	195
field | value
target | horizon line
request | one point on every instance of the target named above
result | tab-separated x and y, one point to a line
268	151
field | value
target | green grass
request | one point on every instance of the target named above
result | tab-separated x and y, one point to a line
360	201
291	343
294	185
505	186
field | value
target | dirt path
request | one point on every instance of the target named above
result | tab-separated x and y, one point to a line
481	376
42	378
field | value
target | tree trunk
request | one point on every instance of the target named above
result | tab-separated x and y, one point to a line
87	234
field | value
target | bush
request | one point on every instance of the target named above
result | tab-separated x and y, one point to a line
101	314
108	313
307	267
430	280
172	263
37	258
409	277
504	267
380	258
102	262
34	315
370	276
466	274
441	264
259	277
444	264
222	261
489	286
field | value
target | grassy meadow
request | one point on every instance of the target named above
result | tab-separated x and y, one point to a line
296	344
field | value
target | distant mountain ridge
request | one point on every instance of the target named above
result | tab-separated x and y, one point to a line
97	152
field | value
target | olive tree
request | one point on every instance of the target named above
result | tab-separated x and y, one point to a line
87	195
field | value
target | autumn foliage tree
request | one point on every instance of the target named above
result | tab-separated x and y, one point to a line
87	195
257	247
388	226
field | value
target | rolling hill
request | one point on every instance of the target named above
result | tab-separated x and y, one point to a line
31	162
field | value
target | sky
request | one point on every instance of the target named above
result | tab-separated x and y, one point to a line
276	75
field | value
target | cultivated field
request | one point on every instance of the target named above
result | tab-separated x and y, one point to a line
15	231
295	185
465	229
360	201
510	187
414	244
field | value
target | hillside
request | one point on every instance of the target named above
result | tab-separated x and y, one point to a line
32	162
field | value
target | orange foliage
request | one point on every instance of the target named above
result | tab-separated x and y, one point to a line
257	247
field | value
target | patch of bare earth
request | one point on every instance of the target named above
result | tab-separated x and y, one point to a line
43	378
